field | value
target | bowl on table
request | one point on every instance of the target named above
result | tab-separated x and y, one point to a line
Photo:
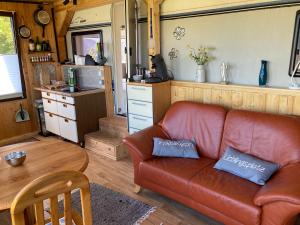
15	158
137	78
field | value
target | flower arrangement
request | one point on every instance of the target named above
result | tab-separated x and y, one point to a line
201	56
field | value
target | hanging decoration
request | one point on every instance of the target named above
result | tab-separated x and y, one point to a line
179	33
173	53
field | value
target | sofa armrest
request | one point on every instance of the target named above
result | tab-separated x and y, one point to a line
140	144
284	186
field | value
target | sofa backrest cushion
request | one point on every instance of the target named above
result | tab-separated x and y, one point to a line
274	138
203	123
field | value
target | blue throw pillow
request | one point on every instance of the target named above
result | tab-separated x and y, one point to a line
181	149
246	166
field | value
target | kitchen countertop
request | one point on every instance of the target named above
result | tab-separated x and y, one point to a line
74	94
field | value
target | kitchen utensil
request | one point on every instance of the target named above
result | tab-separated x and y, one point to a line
24	32
15	158
22	115
42	18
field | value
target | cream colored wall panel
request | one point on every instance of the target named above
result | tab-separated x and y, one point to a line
92	16
180	6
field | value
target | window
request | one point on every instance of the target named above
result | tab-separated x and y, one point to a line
11	77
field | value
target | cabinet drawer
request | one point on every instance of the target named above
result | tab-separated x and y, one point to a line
140	108
133	130
68	129
66	110
100	147
52	123
50	105
65	99
139	93
48	95
140	122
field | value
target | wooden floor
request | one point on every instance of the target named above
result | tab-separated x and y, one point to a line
118	176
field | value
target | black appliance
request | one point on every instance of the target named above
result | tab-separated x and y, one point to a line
161	71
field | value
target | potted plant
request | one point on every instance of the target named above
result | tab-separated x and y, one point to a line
201	57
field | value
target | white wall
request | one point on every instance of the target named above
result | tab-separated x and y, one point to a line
241	39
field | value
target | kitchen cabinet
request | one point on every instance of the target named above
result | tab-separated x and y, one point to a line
72	115
147	104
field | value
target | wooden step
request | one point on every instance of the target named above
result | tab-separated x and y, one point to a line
105	144
115	126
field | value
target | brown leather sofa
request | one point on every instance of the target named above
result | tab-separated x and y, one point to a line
220	195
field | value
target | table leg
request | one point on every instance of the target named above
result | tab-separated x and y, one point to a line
29	216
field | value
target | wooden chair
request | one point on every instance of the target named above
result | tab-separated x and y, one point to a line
49	187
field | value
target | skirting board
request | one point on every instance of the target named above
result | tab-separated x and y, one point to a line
17	138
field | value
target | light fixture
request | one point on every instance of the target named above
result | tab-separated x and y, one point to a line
293	85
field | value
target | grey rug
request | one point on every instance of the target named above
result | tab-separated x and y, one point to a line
113	208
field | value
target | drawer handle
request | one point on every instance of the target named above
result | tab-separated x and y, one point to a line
48	94
66	120
139	104
49	101
64	97
65	105
139	88
141	119
50	115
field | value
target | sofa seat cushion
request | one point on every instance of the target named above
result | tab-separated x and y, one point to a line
172	173
227	194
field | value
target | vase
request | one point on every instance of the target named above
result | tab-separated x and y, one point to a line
263	74
200	74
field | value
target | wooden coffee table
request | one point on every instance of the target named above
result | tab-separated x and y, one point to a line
42	157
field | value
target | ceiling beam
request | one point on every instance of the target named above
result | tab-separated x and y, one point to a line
81	4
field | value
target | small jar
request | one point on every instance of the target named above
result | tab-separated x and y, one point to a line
31	45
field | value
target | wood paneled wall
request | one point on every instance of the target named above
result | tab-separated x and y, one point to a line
271	100
9	129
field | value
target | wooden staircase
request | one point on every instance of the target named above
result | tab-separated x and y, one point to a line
108	140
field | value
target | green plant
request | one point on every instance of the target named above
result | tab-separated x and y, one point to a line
201	55
7	46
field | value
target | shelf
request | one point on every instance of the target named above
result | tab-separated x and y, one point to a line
43	62
39	52
81	66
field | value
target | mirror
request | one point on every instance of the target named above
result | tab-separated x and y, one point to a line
87	42
295	57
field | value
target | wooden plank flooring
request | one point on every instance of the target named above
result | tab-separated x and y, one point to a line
118	176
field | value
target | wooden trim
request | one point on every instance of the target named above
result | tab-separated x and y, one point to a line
253	98
107	73
18	138
83	4
226	10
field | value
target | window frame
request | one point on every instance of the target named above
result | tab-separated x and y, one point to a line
12	15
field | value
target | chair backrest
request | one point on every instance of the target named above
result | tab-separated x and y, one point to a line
49	187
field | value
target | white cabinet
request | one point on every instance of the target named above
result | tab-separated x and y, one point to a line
140	108
52	123
74	115
50	105
66	110
65	99
49	95
68	129
147	104
60	115
140	93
